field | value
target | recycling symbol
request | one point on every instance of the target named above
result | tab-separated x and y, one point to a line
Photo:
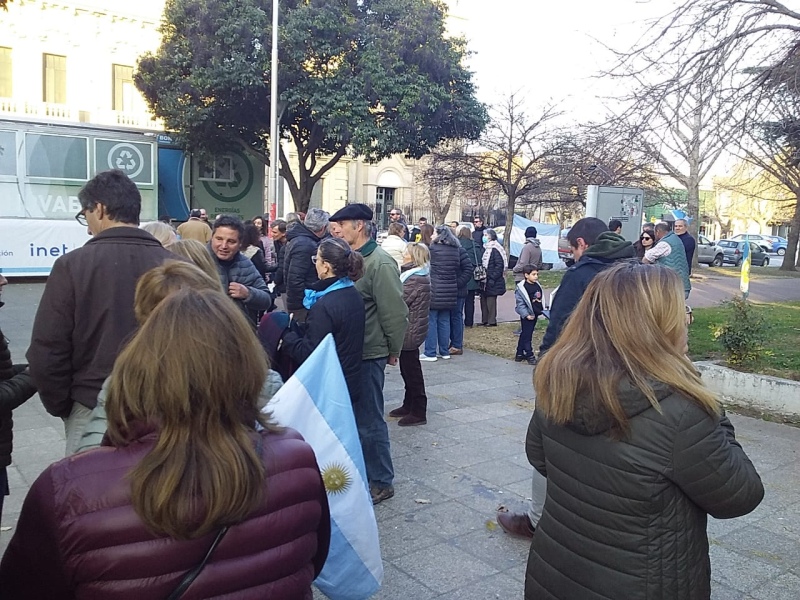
126	157
233	183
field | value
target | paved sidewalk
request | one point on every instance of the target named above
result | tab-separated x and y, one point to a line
438	535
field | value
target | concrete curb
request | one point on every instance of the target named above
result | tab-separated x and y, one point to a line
752	391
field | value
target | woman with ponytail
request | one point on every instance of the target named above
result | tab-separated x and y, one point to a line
190	472
335	306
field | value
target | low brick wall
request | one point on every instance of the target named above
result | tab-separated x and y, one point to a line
751	391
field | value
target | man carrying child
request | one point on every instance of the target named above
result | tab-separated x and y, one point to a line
528	296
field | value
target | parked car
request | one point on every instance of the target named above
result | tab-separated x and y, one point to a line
709	253
765	241
734	253
779	245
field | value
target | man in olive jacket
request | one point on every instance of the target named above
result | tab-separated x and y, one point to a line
86	311
386	322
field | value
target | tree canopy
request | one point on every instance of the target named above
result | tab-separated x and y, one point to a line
369	78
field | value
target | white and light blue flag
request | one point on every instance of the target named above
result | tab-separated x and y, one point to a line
316	403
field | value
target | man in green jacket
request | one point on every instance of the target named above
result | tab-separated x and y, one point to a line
386	322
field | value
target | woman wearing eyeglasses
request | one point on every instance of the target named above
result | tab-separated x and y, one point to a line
644	243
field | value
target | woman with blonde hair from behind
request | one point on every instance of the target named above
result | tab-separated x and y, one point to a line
183	474
197	253
636	450
162	232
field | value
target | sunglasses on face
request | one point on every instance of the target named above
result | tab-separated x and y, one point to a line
645	237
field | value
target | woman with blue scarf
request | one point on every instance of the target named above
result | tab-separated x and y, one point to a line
334	306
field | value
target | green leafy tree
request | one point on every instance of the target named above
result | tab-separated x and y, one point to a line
370	78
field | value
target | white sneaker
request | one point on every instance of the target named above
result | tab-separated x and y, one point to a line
445	357
426	358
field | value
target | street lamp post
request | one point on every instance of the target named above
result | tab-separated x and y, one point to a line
274	134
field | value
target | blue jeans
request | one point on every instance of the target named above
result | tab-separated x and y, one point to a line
457	324
438	330
372	430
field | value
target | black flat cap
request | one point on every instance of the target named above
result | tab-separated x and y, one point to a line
353	212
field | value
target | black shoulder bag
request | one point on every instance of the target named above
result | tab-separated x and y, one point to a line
479	272
189	578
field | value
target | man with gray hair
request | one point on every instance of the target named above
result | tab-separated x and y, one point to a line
299	272
689	244
669	251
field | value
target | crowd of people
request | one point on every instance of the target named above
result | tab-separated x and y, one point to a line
161	352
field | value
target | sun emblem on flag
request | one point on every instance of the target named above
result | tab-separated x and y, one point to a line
336	478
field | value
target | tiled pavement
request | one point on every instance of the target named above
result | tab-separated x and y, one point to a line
438	535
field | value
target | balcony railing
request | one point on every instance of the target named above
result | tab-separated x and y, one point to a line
66	113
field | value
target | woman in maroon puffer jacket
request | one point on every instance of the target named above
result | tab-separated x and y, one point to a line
128	520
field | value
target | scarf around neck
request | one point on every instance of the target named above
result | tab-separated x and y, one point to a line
311	296
414	271
487	253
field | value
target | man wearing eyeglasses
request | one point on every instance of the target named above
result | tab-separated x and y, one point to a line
396	216
86	311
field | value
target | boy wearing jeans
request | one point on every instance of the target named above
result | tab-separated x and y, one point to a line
528	296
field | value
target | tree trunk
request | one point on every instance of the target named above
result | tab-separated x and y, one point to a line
509	223
693	210
791	260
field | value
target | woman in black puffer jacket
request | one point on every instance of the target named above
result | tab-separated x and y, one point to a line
636	450
16	386
445	270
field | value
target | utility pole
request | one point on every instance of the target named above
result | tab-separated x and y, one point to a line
274	133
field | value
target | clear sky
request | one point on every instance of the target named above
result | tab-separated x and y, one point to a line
548	49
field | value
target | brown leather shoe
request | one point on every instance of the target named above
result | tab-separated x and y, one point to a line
516	524
400	411
456	351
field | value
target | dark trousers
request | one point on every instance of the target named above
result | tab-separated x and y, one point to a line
372	429
488	309
415	399
469	309
524	347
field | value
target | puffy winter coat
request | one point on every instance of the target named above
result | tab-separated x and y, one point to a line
627	518
341	312
495	284
417	296
277	268
299	272
445	273
15	388
241	269
465	270
78	536
395	247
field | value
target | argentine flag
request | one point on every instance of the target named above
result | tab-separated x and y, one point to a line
315	402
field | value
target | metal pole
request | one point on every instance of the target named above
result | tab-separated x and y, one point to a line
274	134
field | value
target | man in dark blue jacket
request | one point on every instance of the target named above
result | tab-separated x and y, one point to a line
594	248
299	272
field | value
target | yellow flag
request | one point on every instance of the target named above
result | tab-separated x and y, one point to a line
744	283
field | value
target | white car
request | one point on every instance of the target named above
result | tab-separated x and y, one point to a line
764	241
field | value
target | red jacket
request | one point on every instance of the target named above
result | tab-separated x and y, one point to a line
79	537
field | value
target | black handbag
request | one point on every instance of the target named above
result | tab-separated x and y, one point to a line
479	272
189	578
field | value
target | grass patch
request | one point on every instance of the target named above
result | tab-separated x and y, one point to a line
547	279
755	272
781	357
500	341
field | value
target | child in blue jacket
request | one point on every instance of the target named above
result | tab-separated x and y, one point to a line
528	296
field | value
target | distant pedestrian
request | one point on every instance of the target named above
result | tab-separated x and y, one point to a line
278	232
446	272
528	297
251	248
196	228
425	234
164	233
267	245
478	229
299	272
396	216
417	296
474	254
670	252
531	254
646	241
495	262
394	243
689	243
615	226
